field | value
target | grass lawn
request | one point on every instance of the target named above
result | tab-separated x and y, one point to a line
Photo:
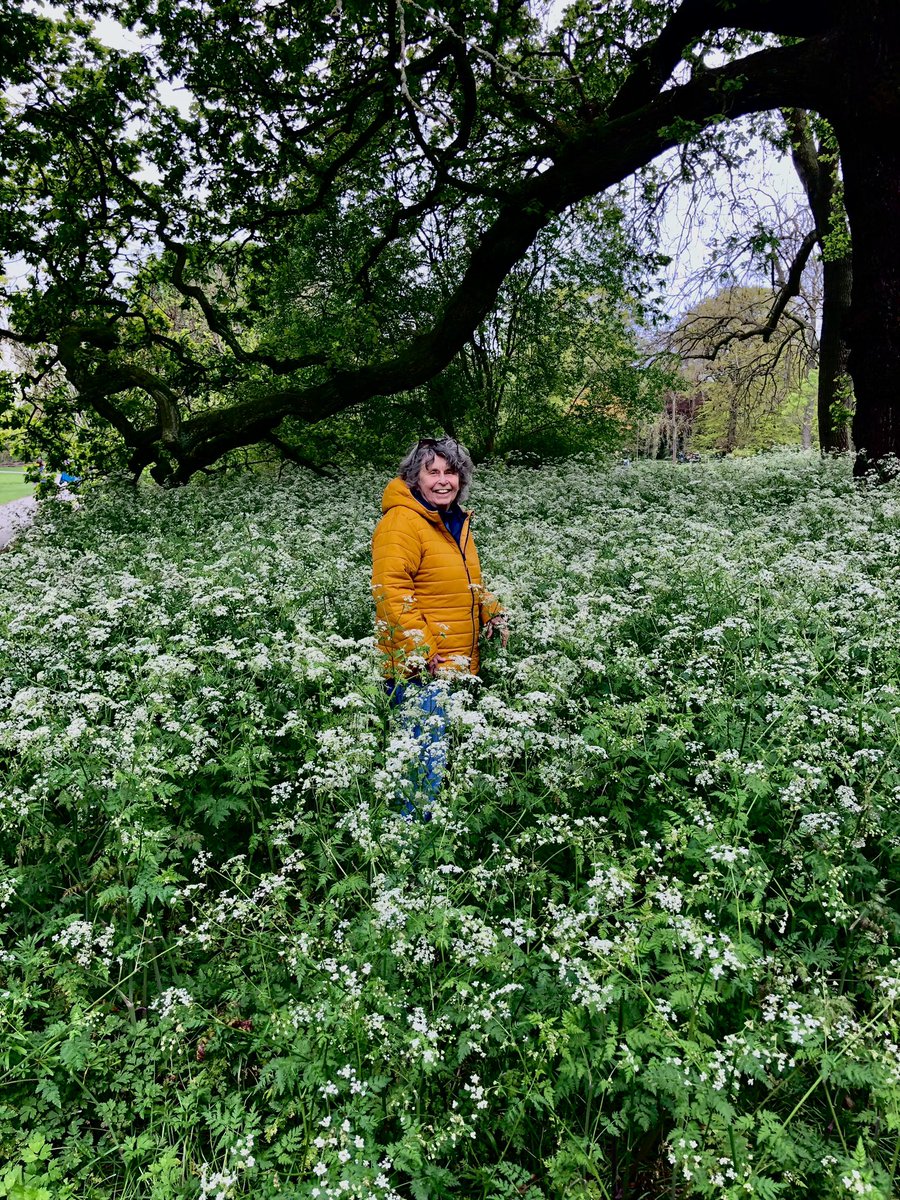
13	486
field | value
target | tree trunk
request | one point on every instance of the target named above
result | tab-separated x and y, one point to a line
818	173
731	429
866	119
834	351
806	427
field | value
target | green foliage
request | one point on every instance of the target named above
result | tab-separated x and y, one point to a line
556	368
647	942
787	419
750	392
843	405
347	204
47	428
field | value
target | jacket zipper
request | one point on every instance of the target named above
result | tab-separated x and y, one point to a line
462	550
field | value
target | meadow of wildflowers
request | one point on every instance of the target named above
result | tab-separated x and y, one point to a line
648	945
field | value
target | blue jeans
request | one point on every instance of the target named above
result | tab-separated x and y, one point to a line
421	714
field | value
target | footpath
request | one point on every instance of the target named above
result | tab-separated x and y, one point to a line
15	516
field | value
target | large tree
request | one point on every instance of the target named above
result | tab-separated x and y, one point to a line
346	128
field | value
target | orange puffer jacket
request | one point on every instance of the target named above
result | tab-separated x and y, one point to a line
428	592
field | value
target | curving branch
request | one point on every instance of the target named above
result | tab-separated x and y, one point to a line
655	62
585	164
89	390
219	324
766	329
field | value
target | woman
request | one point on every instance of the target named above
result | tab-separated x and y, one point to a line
430	600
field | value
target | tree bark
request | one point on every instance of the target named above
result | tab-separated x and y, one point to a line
834	354
818	173
866	117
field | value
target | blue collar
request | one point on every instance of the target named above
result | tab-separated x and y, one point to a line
453	517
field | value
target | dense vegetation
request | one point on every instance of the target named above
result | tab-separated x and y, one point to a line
647	945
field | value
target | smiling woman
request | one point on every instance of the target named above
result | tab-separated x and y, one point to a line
430	600
438	481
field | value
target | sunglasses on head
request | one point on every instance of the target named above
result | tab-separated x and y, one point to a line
423	442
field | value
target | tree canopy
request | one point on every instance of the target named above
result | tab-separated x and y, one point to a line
319	145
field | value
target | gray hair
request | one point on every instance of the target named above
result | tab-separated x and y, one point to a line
426	450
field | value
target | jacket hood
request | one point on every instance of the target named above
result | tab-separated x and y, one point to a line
398	495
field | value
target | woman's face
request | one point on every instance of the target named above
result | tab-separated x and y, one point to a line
438	483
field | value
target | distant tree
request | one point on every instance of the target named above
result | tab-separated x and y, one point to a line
796	420
741	380
803	252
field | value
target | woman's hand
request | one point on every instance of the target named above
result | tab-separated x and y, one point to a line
435	663
499	624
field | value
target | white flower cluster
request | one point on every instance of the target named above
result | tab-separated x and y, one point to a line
716	949
890	981
647	806
167	1003
345	1170
86	942
221	1184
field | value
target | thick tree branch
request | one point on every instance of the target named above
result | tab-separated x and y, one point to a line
69	346
804	154
656	61
585	164
98	388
